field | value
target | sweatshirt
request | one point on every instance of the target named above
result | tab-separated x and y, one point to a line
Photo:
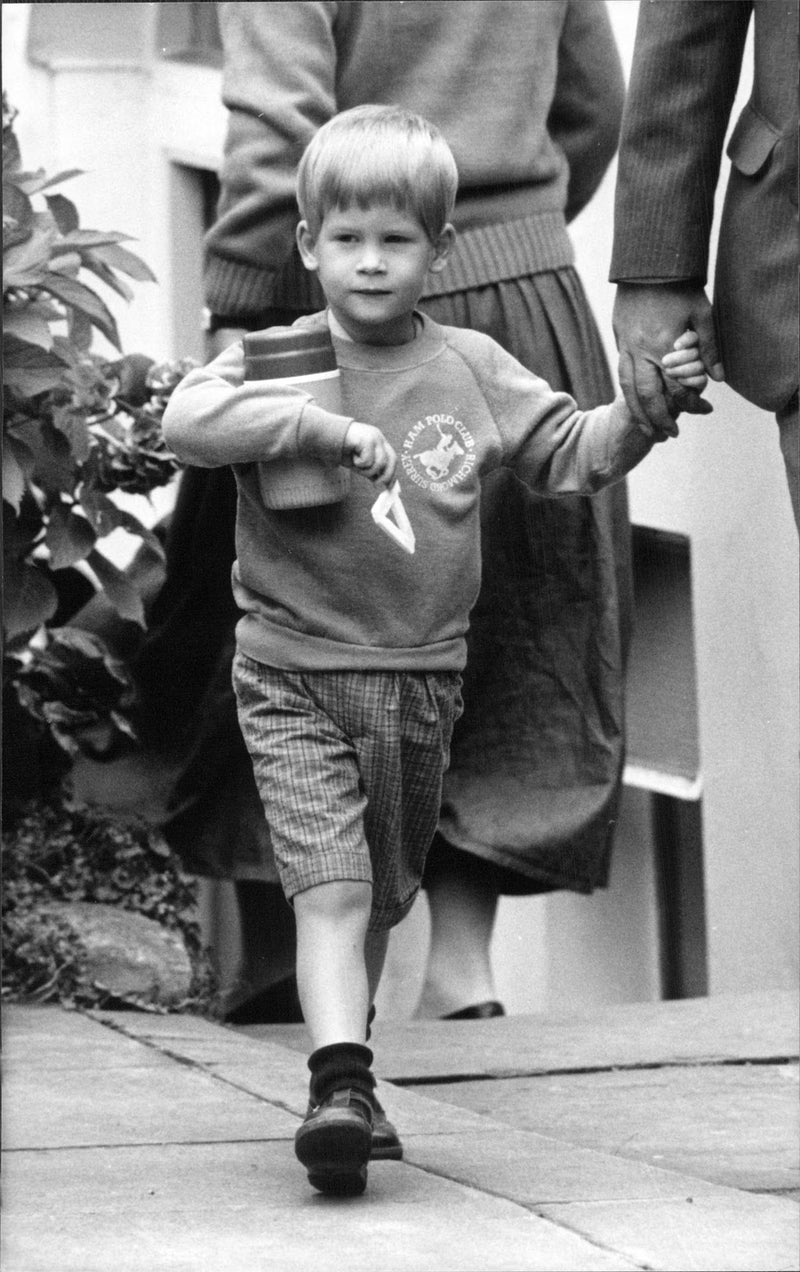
528	93
324	588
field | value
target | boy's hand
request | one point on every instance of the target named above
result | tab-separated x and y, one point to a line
367	450
684	363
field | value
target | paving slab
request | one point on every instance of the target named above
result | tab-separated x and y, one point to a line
724	1028
734	1124
278	1074
536	1171
760	1234
187	1165
54	1039
65	1108
241	1208
656	1218
475	1148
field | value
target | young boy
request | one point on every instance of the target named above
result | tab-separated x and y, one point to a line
349	652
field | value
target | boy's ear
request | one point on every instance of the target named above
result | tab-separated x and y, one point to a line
305	245
442	249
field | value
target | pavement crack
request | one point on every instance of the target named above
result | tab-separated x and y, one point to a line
503	1075
136	1144
527	1209
203	1066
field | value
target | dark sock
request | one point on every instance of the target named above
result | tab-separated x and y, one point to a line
342	1064
370	1018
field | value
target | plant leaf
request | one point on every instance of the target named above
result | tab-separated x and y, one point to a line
64	212
128	262
80	331
82	298
29	325
21	530
94	238
65	262
17	215
35	182
53	462
91	261
25	264
74	427
69	538
28	368
106	517
117	587
14	471
29	598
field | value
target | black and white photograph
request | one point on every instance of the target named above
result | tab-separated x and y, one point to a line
401	648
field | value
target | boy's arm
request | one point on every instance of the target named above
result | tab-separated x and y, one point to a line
573	452
554	447
215	418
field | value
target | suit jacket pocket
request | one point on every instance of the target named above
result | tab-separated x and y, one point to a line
752	142
755	292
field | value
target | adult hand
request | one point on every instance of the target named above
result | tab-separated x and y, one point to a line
648	319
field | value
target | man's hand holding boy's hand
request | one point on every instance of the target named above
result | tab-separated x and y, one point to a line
684	363
367	450
684	366
647	318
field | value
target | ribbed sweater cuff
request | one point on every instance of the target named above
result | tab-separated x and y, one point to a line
247	291
235	289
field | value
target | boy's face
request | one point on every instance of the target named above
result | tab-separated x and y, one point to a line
372	263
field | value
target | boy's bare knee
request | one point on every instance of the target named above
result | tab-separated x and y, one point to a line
339	899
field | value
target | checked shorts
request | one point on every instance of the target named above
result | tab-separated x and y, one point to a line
349	768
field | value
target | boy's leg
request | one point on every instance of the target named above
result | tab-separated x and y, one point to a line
375	947
386	1145
332	979
334	1142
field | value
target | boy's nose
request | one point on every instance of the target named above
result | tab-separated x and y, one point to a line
372	261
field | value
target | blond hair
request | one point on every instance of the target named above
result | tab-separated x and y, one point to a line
378	154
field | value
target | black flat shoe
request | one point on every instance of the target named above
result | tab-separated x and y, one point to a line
334	1143
386	1143
478	1011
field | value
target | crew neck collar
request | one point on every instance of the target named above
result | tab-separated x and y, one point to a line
427	343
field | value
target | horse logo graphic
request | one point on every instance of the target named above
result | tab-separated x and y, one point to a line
437	461
447	453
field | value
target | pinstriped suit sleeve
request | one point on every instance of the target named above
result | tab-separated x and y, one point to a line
686	65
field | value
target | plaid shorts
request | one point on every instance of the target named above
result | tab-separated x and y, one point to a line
349	768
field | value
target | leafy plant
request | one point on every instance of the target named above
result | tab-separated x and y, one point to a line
58	851
77	427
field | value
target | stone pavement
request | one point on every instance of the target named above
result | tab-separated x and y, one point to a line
138	1142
